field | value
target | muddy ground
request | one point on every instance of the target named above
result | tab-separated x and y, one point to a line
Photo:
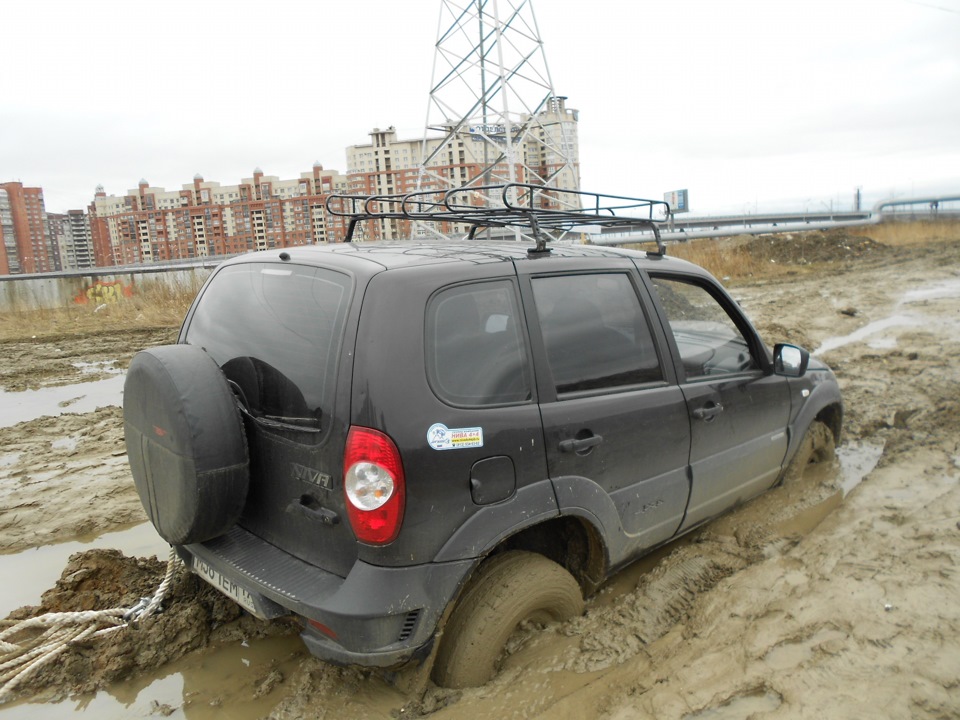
803	603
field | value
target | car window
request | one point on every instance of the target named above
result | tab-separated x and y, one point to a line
276	332
708	339
595	332
476	354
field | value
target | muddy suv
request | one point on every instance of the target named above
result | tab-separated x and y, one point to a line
412	447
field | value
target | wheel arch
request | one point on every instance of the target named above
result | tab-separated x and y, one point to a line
572	542
832	416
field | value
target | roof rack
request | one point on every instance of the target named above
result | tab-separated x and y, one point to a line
511	205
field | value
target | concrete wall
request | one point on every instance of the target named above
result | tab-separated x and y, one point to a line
54	290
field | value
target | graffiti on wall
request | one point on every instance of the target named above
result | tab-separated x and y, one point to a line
104	292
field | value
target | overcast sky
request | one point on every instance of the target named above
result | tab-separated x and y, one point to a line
751	105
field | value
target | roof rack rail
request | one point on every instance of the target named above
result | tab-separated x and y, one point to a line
511	205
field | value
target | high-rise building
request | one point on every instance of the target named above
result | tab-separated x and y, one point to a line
71	234
9	257
151	224
388	166
26	243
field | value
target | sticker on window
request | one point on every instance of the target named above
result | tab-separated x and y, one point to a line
441	437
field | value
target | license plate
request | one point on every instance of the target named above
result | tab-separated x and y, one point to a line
228	587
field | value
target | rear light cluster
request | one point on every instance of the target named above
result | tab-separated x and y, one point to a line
374	485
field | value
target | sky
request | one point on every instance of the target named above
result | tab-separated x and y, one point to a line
752	106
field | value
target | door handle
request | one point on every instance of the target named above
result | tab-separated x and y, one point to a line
708	411
309	507
578	446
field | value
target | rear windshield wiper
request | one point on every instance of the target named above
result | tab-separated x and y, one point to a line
279	422
300	424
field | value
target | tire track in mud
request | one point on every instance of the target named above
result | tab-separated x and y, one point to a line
64	477
663	598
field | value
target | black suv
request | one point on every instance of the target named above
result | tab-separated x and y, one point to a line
395	442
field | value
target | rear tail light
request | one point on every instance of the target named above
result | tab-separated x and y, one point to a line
374	485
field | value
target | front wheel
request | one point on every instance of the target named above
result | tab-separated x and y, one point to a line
818	446
508	590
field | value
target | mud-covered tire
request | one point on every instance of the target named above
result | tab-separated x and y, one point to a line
185	443
507	590
818	446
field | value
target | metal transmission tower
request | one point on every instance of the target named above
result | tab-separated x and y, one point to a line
493	115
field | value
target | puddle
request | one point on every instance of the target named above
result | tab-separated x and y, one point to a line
38	569
857	460
938	291
65	443
101	366
201	686
217	685
18	407
943	290
9	459
873	328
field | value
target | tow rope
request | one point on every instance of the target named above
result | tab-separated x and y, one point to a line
46	636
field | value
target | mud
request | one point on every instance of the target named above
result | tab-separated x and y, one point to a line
807	602
51	360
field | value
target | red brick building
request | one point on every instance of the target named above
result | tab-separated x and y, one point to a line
25	242
203	219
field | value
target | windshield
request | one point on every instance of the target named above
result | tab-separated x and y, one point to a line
276	333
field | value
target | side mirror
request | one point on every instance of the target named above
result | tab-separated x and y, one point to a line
790	360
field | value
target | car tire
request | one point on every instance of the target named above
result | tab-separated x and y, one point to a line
818	446
185	443
508	589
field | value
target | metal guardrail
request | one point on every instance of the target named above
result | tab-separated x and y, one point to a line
725	226
138	268
934	207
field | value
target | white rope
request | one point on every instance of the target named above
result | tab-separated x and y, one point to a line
20	660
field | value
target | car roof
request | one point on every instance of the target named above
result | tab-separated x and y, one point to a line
401	254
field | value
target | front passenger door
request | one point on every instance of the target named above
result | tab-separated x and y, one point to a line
738	413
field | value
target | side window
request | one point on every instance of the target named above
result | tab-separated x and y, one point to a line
709	341
475	348
595	332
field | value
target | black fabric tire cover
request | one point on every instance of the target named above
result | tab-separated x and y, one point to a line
185	443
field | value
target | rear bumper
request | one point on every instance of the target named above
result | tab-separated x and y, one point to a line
375	617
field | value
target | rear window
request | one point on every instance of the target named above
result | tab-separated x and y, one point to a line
276	331
475	352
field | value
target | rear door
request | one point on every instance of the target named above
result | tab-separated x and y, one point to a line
277	331
615	423
443	367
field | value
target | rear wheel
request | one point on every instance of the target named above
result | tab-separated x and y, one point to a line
818	446
509	589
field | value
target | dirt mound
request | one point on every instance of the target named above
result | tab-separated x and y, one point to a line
193	616
822	246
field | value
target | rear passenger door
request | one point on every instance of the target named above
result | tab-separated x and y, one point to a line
615	424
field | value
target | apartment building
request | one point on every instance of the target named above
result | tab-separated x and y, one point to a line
24	231
545	150
202	219
70	232
151	224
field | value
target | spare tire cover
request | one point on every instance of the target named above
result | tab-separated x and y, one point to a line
185	443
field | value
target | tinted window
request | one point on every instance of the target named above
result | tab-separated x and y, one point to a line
595	332
709	341
475	349
276	332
